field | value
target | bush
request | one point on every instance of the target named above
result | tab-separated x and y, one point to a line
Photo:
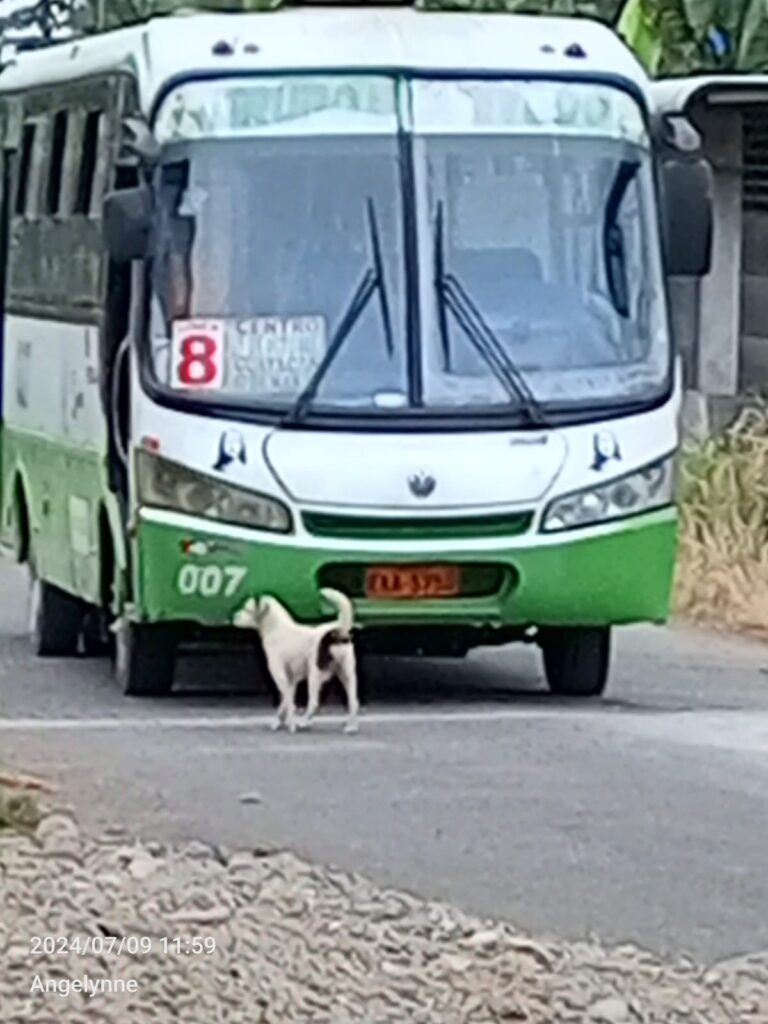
722	575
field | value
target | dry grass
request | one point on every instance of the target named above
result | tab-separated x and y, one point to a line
722	575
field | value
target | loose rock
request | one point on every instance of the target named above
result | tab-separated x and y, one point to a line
266	938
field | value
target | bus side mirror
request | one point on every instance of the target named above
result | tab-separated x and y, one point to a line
137	140
679	134
127	222
687	203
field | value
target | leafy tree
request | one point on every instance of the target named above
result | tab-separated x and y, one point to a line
115	13
601	10
675	37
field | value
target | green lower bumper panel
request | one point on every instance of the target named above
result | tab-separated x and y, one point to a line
621	575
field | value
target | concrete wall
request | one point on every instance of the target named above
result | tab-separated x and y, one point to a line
720	292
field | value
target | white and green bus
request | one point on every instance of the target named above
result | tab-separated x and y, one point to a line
364	298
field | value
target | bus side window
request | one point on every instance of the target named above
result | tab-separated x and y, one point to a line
103	174
24	169
56	166
89	158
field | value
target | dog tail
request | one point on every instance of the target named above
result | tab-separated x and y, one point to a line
343	606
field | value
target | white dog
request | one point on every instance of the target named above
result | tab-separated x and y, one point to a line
296	652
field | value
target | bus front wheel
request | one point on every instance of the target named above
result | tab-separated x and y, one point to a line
576	660
55	618
145	659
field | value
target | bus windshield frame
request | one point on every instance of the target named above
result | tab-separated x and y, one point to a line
402	200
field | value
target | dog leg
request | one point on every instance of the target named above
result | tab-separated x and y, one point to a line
282	713
314	687
290	718
286	712
347	672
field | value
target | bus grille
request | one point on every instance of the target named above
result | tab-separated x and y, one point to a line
416	527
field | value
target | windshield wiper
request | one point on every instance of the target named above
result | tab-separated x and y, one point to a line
378	268
372	281
442	311
453	297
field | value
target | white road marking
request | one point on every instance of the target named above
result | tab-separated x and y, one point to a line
250	721
726	731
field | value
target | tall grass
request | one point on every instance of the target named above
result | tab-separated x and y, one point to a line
722	575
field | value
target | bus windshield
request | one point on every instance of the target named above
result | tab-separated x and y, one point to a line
271	239
522	232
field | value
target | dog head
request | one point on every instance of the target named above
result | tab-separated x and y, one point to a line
256	612
249	615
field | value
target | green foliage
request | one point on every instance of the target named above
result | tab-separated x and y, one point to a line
679	37
118	13
601	10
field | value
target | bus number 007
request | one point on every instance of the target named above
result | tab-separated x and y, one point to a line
210	580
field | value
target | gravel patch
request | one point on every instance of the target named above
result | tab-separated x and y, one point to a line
281	941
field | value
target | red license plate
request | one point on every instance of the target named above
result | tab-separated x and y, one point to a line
412	582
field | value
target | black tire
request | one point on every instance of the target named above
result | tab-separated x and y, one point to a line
56	619
98	638
577	660
98	641
145	659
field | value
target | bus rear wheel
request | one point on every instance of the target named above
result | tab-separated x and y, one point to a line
55	619
576	660
145	659
98	635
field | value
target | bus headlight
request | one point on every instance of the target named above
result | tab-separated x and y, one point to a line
162	483
641	491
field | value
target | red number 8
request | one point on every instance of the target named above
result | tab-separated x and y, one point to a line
198	366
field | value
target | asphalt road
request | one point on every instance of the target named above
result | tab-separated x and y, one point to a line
643	818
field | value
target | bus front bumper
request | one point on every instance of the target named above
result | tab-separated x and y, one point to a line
197	571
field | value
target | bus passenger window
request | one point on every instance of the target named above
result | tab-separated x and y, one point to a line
25	169
88	162
56	168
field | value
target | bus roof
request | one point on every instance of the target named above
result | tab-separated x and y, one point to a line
357	37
